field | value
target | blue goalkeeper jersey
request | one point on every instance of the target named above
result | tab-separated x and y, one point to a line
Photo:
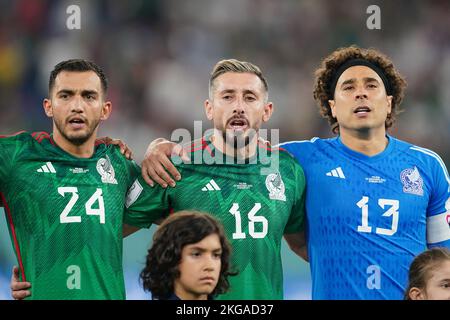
368	217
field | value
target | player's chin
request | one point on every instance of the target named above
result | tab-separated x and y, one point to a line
368	126
205	289
240	133
79	137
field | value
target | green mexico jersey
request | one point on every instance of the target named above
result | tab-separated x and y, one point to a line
256	202
65	216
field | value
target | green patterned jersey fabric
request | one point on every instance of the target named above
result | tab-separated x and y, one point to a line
65	216
256	202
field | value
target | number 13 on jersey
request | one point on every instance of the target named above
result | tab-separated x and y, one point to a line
392	211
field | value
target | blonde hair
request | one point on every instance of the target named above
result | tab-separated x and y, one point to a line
233	65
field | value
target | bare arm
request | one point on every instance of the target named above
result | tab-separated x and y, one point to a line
127	230
157	166
297	243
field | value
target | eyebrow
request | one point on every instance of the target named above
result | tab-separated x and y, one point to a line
83	92
89	92
246	91
353	80
203	249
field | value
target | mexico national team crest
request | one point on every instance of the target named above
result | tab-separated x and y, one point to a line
275	185
412	181
106	170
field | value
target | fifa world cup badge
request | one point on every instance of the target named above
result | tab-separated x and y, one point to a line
106	170
275	185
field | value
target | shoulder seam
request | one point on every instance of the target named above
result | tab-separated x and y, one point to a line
40	136
197	145
312	140
436	157
12	135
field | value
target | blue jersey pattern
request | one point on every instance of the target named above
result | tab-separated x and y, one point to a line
368	217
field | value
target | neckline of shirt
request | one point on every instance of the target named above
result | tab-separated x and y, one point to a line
388	150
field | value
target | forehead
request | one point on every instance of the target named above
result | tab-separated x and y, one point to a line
442	271
238	81
85	80
211	242
358	73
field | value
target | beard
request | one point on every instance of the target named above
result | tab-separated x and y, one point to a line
235	139
76	138
238	139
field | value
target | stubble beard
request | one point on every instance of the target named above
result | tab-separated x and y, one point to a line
77	139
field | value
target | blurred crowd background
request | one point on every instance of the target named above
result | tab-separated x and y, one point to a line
158	55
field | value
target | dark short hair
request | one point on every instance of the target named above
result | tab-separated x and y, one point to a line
77	65
163	258
327	70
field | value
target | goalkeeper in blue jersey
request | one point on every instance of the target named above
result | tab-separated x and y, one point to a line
373	202
382	201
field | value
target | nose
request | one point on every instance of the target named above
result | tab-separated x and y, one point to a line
361	93
210	263
239	107
77	105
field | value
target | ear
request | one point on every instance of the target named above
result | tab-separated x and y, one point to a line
47	104
416	294
332	104
106	110
268	110
389	106
209	109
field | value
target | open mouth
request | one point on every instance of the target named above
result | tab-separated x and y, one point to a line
77	122
362	110
237	124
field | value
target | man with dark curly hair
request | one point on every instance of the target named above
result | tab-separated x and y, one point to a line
189	258
373	202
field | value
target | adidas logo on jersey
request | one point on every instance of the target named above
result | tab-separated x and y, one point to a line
337	173
211	186
47	168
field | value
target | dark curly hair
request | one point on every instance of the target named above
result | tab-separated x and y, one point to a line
163	258
325	74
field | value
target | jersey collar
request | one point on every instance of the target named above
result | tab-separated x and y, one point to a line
388	150
98	151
